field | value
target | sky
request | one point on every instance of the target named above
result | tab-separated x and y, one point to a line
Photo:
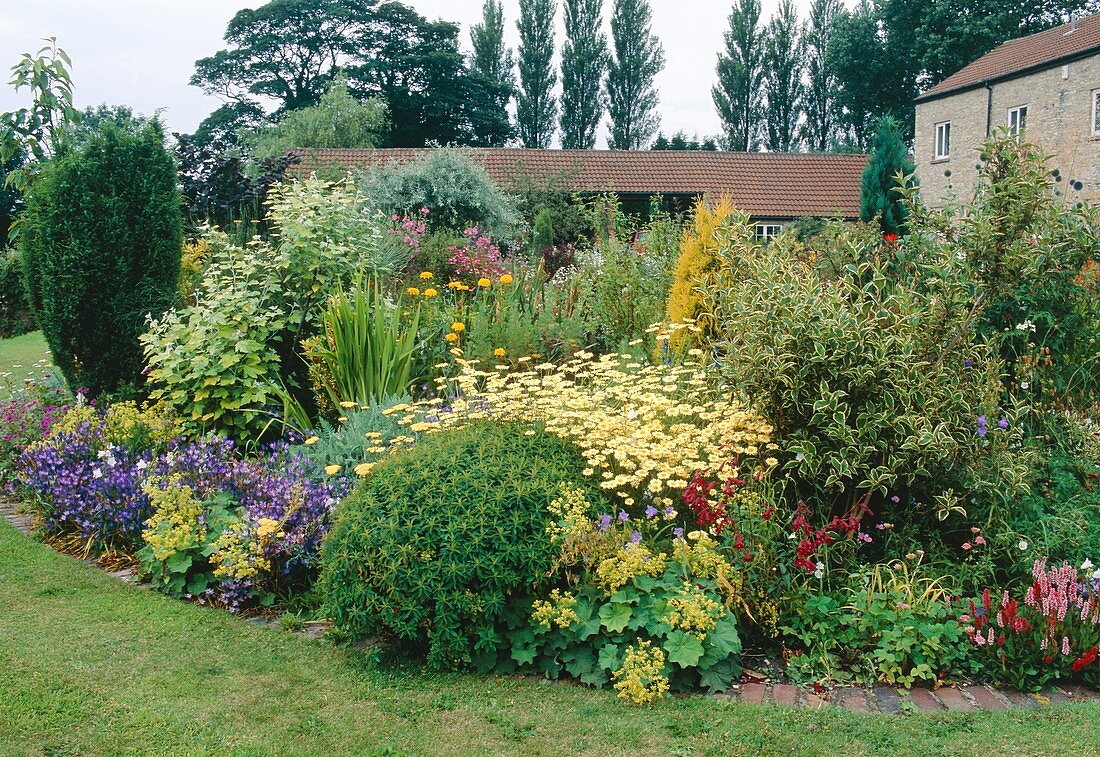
141	53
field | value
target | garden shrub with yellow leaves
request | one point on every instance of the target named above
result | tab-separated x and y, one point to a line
713	228
643	430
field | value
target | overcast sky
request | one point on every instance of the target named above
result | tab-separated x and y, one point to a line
141	53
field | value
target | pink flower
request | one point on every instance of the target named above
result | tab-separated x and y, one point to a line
966	545
979	540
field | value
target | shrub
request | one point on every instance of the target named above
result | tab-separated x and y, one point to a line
872	378
221	363
101	244
454	188
698	262
879	198
15	311
437	540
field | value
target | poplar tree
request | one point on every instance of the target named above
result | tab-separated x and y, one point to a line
740	77
536	109
784	62
820	128
583	64
491	58
638	58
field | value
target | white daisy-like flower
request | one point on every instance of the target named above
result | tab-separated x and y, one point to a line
1023	545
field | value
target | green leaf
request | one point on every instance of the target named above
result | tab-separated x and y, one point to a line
684	649
609	658
720	676
180	562
615	617
724	637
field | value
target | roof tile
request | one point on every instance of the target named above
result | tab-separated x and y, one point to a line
765	185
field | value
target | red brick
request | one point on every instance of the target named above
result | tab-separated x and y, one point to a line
753	693
813	701
785	696
853	699
924	700
985	698
1020	700
888	699
953	699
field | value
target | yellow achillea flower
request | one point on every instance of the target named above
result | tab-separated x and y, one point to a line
458	327
429	293
425	275
363	469
499	352
641	679
311	441
483	282
642	429
507	279
332	470
413	291
559	610
451	337
349	405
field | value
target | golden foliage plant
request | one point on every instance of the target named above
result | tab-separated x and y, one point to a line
712	228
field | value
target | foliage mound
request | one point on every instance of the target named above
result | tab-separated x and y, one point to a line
439	540
15	311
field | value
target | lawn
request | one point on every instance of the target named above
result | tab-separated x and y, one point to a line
21	358
92	666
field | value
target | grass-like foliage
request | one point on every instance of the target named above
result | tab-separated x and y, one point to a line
437	540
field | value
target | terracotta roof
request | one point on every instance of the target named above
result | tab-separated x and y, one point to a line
765	185
1019	56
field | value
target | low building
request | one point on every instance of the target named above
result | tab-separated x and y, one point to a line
773	188
1045	86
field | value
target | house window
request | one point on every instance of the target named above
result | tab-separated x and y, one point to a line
1017	120
1096	112
766	232
943	140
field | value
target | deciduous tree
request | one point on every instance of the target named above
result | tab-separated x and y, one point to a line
536	109
784	62
583	64
636	60
740	77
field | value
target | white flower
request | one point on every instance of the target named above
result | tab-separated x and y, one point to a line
97	473
1087	564
101	454
1023	545
820	570
142	465
1024	385
1096	575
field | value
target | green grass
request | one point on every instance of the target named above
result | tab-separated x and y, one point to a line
89	665
22	357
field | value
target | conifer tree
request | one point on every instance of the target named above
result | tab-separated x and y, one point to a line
740	77
638	58
878	198
583	64
536	109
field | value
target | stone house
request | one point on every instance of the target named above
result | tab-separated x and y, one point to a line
1045	86
773	188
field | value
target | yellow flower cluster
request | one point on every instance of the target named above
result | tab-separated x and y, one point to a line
699	554
239	554
176	520
571	510
641	679
626	564
125	424
558	609
693	611
643	430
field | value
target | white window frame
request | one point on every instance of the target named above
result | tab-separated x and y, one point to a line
1096	113
942	147
766	232
1019	115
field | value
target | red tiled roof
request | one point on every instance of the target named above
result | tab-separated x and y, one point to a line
765	185
1016	56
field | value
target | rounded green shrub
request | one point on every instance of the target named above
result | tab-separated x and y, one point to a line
442	539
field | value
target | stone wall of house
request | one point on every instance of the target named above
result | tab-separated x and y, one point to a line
1059	119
